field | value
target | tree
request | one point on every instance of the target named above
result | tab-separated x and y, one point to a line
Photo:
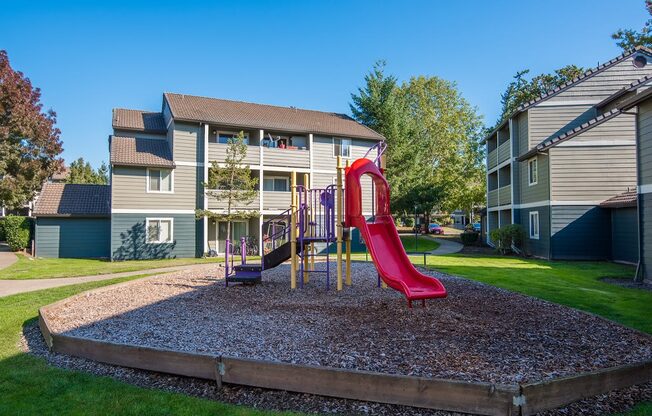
628	39
29	141
83	172
432	138
231	183
520	90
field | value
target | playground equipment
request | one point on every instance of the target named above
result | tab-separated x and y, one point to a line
325	216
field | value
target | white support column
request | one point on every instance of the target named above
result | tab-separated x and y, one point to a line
260	192
511	163
205	179
310	138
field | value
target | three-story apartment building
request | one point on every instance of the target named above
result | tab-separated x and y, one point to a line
553	161
161	160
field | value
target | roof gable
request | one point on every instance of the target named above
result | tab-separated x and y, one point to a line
135	151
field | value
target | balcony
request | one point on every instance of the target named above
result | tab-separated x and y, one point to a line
286	158
215	204
276	200
217	152
505	195
503	152
492	198
492	159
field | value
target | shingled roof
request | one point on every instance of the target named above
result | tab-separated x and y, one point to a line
145	121
625	200
261	116
587	74
73	200
131	151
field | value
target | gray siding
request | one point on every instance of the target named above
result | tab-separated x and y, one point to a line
602	85
72	237
129	189
580	233
521	129
539	192
323	159
546	121
188	143
624	234
591	173
128	237
619	130
286	158
645	206
217	153
645	143
535	247
139	134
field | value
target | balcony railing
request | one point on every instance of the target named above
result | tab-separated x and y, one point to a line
275	200
505	195
221	204
492	198
492	159
290	158
217	152
503	152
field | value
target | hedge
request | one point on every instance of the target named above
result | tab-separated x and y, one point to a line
17	232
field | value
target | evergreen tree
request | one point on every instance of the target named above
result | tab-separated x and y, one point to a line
82	172
232	183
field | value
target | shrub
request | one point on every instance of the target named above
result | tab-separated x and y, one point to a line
17	232
2	230
505	237
469	237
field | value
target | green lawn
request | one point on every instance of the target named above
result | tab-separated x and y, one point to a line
28	386
424	244
42	268
574	284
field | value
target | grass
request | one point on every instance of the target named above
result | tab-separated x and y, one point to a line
424	244
43	268
28	386
574	284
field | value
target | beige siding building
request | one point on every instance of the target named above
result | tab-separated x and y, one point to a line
160	162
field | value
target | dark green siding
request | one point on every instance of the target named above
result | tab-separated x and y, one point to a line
645	205
624	234
535	247
72	237
581	233
128	237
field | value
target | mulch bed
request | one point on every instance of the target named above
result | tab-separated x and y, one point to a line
479	333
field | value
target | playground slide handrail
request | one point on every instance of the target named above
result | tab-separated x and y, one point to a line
380	148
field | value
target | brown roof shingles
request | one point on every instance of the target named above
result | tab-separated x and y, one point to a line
145	121
73	200
625	200
130	151
244	114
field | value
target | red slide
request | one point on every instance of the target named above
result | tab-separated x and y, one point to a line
382	239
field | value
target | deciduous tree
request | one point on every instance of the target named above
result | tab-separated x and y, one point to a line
29	141
629	38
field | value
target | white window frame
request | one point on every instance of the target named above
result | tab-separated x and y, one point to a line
341	139
534	235
148	220
171	191
535	161
287	182
233	133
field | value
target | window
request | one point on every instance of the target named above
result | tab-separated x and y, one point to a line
225	137
342	147
159	180
533	171
534	225
159	230
276	184
239	229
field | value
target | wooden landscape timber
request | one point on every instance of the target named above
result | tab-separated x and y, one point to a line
452	395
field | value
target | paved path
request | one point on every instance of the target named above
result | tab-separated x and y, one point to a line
7	258
446	247
12	287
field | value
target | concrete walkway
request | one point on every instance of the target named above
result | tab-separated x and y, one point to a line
12	287
446	247
7	258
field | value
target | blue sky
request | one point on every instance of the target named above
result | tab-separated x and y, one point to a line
88	59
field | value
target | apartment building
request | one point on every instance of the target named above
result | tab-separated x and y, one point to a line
161	160
556	159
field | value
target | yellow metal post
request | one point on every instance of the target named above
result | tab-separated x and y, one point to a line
293	232
340	208
306	221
